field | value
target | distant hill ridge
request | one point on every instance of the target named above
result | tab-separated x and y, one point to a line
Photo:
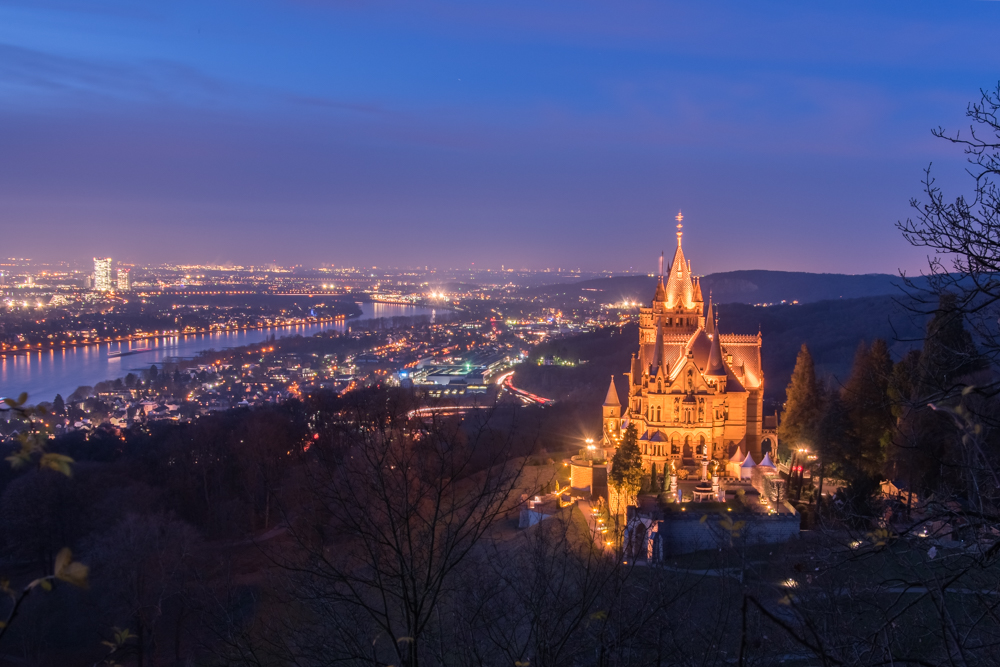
750	287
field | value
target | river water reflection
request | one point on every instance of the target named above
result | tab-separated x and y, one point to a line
45	374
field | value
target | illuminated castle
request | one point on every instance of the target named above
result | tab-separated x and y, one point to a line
693	394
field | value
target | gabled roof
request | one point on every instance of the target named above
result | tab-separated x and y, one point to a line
733	383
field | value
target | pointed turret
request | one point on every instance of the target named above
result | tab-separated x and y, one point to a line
697	291
680	289
661	292
612	398
710	317
715	367
612	412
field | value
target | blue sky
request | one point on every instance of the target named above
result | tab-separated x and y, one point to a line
530	134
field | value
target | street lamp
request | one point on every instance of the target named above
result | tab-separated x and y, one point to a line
590	448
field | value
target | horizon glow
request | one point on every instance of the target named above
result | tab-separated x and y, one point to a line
515	133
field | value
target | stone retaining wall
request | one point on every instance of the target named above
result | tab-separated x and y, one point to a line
684	533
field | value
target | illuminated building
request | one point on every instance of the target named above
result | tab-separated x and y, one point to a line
694	394
102	274
124	280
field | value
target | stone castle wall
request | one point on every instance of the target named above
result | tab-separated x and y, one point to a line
686	533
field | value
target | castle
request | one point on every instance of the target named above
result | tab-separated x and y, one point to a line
694	394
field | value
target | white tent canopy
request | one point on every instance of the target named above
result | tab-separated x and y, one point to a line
733	465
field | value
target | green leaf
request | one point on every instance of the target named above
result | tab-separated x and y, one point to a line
58	462
17	460
70	571
45	584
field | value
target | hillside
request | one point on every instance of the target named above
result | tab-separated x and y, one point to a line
831	328
750	287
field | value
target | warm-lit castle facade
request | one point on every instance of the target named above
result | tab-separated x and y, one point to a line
693	394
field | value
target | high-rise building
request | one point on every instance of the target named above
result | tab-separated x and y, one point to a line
124	280
102	274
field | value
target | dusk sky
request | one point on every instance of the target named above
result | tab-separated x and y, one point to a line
531	134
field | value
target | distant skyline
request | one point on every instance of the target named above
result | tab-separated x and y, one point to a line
444	133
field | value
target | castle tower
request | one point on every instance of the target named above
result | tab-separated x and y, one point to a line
694	393
677	305
612	410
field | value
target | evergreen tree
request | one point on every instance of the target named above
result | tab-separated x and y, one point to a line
58	405
626	473
803	404
834	442
866	399
949	354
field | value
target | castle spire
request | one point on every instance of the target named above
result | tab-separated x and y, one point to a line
612	398
680	288
715	366
710	317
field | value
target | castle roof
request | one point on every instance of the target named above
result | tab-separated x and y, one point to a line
716	367
710	327
733	383
612	398
680	289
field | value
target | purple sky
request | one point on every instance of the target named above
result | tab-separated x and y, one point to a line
532	134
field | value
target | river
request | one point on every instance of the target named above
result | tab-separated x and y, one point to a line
45	374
